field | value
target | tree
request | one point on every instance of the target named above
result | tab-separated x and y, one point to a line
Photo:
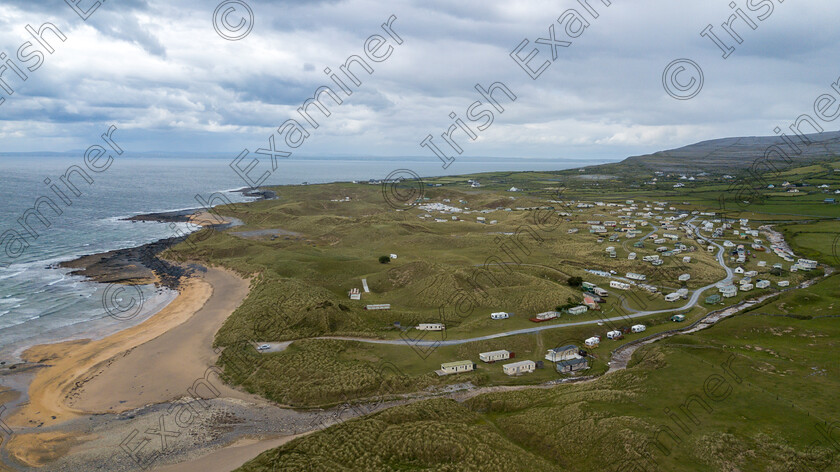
384	259
575	281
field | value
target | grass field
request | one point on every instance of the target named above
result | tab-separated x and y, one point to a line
750	394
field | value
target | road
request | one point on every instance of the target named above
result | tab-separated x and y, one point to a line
695	297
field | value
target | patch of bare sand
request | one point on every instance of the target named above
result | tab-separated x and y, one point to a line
229	457
38	449
152	362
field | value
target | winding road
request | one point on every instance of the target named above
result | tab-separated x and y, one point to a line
695	297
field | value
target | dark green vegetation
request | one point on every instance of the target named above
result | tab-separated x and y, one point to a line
751	392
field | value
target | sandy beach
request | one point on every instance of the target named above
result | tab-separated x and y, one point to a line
154	362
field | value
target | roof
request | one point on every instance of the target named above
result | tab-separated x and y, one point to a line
455	364
575	361
564	348
500	351
519	363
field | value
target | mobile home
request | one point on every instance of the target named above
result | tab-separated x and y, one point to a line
494	356
678	318
521	367
430	327
594	341
500	315
577	310
456	367
638	328
619	285
613	334
672	297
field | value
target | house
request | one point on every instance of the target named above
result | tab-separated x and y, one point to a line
678	318
762	284
494	356
521	367
739	270
747	287
500	315
354	294
577	310
711	299
572	365
430	327
619	285
728	291
614	334
672	297
456	367
594	341
569	351
638	328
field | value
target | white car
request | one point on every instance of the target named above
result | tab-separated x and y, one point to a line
263	347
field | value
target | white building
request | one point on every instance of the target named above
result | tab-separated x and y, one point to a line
619	285
728	291
578	310
747	287
430	327
456	367
557	354
521	367
762	284
494	356
672	297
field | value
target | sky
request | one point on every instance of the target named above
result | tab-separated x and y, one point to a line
164	75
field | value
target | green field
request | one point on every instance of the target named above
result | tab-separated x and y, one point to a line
519	259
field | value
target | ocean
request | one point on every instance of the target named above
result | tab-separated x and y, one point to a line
40	303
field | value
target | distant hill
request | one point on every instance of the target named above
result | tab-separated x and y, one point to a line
733	154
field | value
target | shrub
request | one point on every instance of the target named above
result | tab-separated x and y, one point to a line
384	259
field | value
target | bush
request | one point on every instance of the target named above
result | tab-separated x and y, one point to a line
384	259
575	281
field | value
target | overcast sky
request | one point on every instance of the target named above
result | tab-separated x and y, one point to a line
162	74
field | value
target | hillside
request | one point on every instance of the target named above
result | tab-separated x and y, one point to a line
734	154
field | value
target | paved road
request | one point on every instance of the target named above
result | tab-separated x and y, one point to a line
695	297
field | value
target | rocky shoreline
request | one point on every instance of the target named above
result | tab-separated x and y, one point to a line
142	265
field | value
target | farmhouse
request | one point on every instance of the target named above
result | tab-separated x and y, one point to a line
577	310
558	354
430	327
455	367
494	356
521	367
572	365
